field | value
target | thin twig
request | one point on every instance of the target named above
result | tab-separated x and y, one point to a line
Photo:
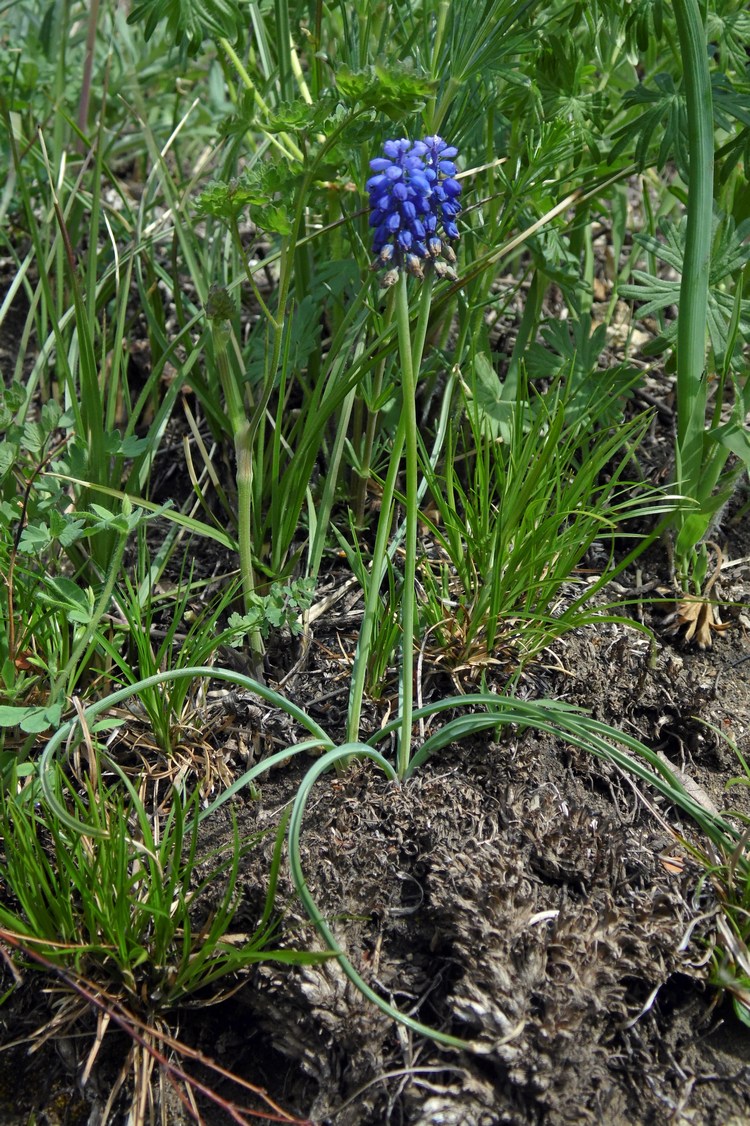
145	1035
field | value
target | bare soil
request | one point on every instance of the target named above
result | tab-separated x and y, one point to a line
535	901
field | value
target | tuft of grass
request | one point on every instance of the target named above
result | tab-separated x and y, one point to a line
133	902
517	510
727	868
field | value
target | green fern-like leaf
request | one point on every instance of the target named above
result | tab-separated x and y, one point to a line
190	23
653	294
658	115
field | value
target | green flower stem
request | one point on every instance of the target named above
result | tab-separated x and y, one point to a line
371	426
408	595
415	348
423	320
691	329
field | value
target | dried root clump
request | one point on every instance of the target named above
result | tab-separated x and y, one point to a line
699	618
545	975
696	613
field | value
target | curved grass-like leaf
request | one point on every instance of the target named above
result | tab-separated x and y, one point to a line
344	754
48	758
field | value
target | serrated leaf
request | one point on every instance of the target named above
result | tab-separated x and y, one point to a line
13	397
11	400
273	219
50	414
71	533
64	528
8	456
33	437
263	190
35	538
301	117
224	200
396	92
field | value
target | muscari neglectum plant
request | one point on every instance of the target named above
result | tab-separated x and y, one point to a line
414	203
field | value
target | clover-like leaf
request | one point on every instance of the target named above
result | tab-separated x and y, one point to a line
32	720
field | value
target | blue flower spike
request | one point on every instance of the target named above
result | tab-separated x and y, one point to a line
414	202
